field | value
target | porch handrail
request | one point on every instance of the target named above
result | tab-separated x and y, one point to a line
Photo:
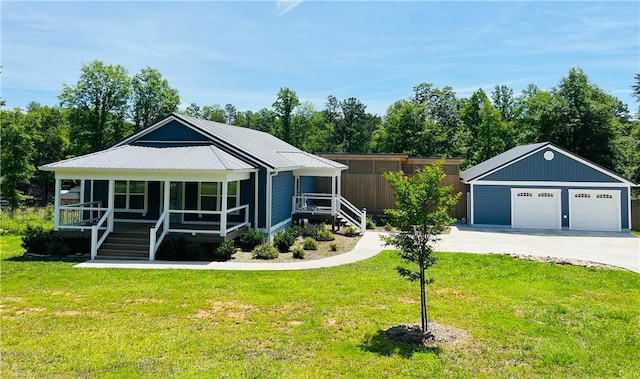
217	229
362	214
72	216
95	242
84	205
154	240
299	202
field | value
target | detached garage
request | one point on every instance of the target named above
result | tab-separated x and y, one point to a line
542	186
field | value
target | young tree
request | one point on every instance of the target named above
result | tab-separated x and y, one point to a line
421	215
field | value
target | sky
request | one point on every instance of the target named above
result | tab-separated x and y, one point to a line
242	53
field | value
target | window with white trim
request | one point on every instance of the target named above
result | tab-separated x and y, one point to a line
545	194
209	196
582	195
524	194
130	195
604	196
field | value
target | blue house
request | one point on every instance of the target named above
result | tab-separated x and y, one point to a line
197	179
542	186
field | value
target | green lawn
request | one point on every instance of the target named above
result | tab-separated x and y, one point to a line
526	319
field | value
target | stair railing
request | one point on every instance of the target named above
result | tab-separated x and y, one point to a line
354	215
97	238
157	234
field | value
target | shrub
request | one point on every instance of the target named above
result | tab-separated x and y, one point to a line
296	230
370	224
16	223
298	252
224	252
312	230
310	244
350	231
250	239
39	240
195	251
325	235
264	251
283	240
333	246
388	227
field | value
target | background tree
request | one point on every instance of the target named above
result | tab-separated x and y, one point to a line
354	132
230	114
99	102
421	215
16	155
152	98
486	129
213	113
283	107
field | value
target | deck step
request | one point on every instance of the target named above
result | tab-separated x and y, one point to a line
124	245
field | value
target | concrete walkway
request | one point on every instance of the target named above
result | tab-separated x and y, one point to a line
616	249
368	246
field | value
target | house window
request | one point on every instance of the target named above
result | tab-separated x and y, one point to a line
545	194
604	196
209	196
525	194
130	195
582	195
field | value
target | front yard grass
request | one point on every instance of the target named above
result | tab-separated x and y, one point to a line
526	319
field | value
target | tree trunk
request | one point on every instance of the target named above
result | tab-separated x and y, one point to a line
423	301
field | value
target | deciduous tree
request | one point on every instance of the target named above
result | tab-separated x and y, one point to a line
421	215
152	98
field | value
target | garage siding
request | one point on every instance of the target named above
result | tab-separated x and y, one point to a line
560	169
492	204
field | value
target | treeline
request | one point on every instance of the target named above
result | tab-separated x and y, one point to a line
107	105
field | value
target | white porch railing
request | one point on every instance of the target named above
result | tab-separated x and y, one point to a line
81	216
100	231
220	224
329	204
157	234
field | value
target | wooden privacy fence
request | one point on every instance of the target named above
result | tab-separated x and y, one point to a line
635	214
365	187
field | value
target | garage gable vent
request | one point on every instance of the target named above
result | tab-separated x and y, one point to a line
545	194
604	196
585	195
525	194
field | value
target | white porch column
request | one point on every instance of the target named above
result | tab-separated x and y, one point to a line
256	199
82	191
112	199
167	202
56	205
223	208
333	195
339	190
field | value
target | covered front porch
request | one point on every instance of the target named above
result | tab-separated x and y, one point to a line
212	210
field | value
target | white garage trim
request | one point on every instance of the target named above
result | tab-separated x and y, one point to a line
536	208
595	210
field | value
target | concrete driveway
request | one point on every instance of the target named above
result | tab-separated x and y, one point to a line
616	249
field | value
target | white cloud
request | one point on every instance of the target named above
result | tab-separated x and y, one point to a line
285	6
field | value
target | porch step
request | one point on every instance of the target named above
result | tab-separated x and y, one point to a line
125	246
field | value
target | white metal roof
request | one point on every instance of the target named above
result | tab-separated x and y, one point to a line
307	160
129	157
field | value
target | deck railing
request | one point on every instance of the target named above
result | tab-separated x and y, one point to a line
329	204
81	216
208	222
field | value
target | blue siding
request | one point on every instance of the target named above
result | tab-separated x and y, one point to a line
560	169
282	194
307	184
247	196
492	204
173	132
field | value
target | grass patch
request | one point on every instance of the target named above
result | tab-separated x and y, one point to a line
526	319
636	232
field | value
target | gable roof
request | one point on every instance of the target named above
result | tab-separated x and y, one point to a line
252	145
519	152
128	157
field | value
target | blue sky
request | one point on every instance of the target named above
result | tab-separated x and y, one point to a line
243	52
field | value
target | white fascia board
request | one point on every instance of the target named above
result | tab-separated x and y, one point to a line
155	175
548	184
310	171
